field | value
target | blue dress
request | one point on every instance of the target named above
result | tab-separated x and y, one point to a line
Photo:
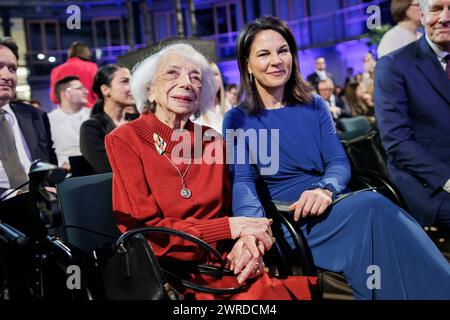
364	236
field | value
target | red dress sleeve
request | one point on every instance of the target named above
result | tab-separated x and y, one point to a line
135	206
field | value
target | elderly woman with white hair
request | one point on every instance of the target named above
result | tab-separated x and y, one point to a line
160	180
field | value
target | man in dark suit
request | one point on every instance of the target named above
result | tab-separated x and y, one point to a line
24	130
320	74
350	77
412	106
338	108
24	137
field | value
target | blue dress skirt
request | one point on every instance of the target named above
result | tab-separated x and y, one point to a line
381	250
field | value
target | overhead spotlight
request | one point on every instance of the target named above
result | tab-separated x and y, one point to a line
51	59
41	56
98	53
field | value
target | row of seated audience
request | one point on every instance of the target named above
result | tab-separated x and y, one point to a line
355	98
72	112
75	100
172	94
72	132
321	74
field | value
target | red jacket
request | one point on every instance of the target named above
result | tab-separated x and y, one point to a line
85	70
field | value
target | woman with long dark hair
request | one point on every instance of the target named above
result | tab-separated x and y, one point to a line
112	86
381	250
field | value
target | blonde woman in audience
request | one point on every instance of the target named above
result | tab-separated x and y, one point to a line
369	70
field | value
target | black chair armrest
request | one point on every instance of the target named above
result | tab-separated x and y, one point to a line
365	178
288	260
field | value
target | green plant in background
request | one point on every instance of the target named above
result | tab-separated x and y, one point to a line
376	34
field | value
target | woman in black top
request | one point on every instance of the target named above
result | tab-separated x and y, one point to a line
112	86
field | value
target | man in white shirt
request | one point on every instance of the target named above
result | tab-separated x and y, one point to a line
407	15
412	106
65	121
24	130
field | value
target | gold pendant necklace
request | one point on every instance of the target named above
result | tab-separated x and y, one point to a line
160	146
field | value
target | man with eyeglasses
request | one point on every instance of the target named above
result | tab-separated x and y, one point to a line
412	106
65	121
338	108
407	15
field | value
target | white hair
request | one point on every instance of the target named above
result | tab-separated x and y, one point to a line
144	73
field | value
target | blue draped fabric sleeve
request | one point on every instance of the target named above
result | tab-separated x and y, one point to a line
337	167
245	198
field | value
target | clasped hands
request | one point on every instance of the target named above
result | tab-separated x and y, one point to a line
246	258
254	239
255	236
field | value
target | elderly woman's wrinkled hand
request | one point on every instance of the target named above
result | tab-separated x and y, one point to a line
245	259
253	269
257	227
244	249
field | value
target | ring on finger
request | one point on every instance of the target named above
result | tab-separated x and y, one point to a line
257	268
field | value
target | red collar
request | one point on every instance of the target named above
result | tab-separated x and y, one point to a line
147	124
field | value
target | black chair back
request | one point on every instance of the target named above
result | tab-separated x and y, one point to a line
80	166
366	152
354	124
86	207
362	178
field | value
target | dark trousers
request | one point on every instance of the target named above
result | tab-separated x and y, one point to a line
443	215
